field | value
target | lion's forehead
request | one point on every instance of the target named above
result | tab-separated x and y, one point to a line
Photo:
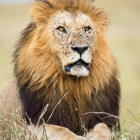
70	20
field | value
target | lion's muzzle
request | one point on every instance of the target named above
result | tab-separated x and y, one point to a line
80	61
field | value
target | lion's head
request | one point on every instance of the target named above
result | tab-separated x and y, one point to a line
72	34
64	40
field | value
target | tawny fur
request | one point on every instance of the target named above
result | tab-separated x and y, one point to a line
39	71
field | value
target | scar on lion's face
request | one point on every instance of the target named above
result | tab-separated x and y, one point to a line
72	35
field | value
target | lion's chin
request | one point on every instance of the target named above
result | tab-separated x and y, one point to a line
79	71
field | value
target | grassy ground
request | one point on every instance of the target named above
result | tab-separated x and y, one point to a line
123	35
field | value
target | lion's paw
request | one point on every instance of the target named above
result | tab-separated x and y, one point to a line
100	132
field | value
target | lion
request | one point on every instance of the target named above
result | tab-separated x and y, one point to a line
64	50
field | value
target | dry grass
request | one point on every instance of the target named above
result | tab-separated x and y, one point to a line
17	128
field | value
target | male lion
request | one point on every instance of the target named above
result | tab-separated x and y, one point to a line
64	50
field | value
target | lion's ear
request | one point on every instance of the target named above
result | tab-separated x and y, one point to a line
100	18
40	11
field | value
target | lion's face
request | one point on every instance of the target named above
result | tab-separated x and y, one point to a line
71	36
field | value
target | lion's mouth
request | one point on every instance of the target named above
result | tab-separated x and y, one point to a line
79	63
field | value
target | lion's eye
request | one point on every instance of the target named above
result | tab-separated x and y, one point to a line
61	29
87	29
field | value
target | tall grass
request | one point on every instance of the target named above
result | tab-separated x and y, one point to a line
16	128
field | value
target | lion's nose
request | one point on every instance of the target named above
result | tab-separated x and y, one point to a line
79	50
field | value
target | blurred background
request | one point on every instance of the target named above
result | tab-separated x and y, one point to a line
123	35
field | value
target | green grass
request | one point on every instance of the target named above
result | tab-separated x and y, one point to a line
124	39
